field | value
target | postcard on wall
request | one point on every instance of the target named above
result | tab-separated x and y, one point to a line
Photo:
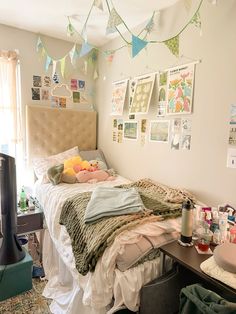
131	130
143	125
76	97
114	123
119	137
118	97
186	126
132	86
47	81
176	126
186	142
54	101
35	93
132	117
231	158
81	85
142	95
55	78
44	94
62	102
232	135
114	136
120	124
233	114
73	84
175	141
159	131
180	83
37	82
162	94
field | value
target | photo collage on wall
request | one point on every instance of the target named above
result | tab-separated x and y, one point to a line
117	133
173	91
44	85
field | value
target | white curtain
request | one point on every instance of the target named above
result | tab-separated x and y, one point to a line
10	109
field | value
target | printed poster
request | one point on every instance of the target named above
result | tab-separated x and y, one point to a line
81	85
37	82
118	97
232	135
35	93
176	129
180	85
142	95
162	94
62	102
73	84
120	124
76	97
186	142
47	81
132	86
44	94
131	130
159	131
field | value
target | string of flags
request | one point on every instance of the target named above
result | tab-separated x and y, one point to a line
137	43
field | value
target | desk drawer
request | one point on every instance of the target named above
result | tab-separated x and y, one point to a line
29	223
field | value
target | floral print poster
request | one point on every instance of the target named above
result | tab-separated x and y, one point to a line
118	97
180	89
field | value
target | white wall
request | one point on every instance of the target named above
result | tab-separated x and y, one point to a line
202	169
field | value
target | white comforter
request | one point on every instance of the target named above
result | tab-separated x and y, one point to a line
106	281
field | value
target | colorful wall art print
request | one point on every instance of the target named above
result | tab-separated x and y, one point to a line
37	82
118	97
142	95
180	84
131	130
73	84
162	94
159	131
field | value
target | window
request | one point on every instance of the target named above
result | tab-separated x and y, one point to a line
10	107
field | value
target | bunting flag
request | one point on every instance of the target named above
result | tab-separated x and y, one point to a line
70	30
109	55
84	34
114	21
150	25
85	49
85	69
39	45
63	63
137	45
188	4
173	45
48	62
54	66
95	74
98	4
72	54
196	20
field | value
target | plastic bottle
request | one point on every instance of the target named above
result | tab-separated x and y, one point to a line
23	200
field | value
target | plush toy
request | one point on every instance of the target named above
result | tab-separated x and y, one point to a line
93	177
98	164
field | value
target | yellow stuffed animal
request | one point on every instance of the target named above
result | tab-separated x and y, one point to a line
72	166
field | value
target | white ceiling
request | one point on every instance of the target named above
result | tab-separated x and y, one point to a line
49	17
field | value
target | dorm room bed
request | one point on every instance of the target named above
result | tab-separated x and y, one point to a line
117	276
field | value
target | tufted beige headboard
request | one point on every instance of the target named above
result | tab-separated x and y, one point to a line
51	130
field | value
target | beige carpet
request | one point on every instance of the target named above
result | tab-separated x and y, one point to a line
30	302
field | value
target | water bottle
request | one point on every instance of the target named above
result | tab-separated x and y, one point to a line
187	224
22	200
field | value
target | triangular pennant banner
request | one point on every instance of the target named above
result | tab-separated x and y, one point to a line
54	65
188	4
39	45
72	54
85	49
95	74
196	20
98	4
70	30
173	45
84	34
137	45
43	52
48	62
150	25
114	21
63	63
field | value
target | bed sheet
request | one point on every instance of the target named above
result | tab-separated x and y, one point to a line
97	288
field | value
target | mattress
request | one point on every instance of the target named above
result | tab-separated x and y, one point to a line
96	290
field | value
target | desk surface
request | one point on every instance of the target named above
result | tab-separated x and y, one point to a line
191	259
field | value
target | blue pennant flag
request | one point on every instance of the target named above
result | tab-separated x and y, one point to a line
137	45
48	62
39	45
85	49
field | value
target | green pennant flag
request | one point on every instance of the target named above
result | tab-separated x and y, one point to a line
173	45
196	20
137	45
114	21
98	4
63	63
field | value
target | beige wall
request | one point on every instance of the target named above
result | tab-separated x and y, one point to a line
202	169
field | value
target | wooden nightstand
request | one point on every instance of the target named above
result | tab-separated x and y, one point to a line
29	221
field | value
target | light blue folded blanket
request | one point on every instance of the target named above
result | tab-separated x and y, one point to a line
109	201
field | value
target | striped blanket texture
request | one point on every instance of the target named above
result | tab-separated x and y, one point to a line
90	240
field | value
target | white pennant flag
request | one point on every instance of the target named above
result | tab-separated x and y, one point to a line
95	74
54	65
98	4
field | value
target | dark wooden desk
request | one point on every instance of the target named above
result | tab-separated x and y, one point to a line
189	258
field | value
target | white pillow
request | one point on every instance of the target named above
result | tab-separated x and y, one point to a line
41	165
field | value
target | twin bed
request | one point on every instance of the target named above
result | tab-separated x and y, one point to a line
127	256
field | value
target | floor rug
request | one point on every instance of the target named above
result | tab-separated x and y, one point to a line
30	302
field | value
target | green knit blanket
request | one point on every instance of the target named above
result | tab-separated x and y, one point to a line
90	240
